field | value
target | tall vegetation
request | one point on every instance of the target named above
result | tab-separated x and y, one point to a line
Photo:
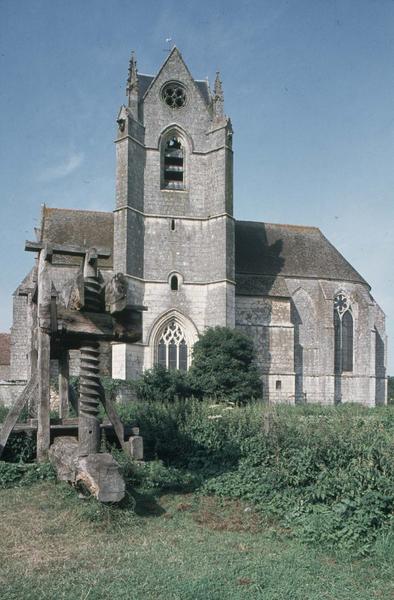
223	368
327	474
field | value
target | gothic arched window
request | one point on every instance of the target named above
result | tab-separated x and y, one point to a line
172	347
173	164
343	332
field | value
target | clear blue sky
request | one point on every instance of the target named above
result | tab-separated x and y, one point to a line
309	86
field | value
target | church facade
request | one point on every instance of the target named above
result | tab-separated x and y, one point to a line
318	332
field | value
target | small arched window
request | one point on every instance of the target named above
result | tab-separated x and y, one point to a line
343	332
174	283
172	348
173	164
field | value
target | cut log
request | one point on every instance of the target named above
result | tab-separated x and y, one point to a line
63	455
27	396
99	474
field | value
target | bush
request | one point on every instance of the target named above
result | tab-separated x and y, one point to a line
20	447
390	390
223	369
12	474
162	385
325	473
223	366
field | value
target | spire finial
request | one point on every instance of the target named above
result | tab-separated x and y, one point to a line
218	89
132	79
218	97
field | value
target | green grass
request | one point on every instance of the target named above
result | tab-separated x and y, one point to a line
167	547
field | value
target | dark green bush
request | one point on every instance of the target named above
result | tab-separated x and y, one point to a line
12	474
20	447
390	390
223	366
162	385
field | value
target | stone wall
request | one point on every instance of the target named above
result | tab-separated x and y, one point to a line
10	391
5	372
267	322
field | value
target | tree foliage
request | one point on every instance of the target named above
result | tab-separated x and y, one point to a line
223	366
160	384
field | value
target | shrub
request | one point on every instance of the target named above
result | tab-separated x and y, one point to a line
390	390
223	366
12	474
325	473
163	385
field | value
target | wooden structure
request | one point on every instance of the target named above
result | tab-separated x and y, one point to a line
86	311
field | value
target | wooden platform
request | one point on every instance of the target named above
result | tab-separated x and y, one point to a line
66	427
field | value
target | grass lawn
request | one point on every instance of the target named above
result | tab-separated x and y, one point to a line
173	546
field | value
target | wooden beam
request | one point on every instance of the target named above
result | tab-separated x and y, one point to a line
98	326
64	385
66	249
11	419
114	418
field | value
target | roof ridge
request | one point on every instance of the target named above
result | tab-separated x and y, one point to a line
78	210
289	225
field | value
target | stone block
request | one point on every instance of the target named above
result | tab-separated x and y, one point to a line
136	447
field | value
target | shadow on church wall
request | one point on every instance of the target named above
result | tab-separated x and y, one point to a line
380	369
258	265
300	396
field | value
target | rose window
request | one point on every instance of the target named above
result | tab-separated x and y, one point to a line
174	95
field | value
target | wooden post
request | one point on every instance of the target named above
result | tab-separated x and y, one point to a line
43	416
63	385
11	419
44	355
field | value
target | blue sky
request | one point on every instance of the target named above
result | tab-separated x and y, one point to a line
309	86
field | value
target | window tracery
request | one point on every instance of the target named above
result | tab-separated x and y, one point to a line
172	350
343	332
174	95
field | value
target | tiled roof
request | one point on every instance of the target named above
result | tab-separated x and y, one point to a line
80	227
265	253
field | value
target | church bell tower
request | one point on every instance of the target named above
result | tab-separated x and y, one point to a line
173	220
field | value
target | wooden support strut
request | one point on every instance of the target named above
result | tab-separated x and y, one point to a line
65	249
11	419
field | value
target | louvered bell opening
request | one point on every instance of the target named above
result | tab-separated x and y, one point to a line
173	164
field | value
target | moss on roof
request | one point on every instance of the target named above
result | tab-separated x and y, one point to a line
86	228
265	252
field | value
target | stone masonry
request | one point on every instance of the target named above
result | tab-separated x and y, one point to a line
186	258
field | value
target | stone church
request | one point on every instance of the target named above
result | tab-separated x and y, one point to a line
319	334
